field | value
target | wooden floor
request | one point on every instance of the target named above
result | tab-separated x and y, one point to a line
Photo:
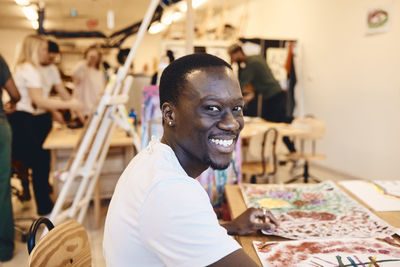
27	209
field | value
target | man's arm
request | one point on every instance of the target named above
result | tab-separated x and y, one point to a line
12	90
60	88
237	258
251	220
40	101
248	92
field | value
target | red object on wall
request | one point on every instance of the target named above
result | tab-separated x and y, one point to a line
92	23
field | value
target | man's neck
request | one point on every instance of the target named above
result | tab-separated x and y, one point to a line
191	167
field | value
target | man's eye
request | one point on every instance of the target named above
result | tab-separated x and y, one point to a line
212	108
238	108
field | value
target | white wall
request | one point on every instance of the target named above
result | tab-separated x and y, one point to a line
149	49
349	79
10	40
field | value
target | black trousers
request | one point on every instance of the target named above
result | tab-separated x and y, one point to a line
29	133
273	109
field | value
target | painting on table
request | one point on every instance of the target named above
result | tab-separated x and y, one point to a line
330	252
315	211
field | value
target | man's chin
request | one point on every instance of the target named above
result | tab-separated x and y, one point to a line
217	166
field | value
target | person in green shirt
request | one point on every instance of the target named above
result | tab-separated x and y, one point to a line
255	78
7	220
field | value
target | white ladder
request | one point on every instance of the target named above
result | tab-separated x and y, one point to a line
87	160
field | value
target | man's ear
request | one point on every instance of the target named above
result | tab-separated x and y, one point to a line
168	113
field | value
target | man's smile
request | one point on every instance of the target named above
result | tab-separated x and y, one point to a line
223	144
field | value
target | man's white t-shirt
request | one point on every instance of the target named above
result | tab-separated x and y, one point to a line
27	76
159	216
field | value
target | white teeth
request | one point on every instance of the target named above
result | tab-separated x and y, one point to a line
222	142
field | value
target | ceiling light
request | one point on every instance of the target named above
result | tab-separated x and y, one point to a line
176	16
35	24
110	19
166	17
22	2
172	15
30	12
156	27
182	6
197	3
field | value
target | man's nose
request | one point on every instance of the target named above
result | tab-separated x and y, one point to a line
229	122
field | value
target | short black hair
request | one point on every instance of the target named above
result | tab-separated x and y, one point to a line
53	47
234	48
174	76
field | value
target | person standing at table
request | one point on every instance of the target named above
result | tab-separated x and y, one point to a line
89	80
52	78
159	214
7	220
255	78
32	121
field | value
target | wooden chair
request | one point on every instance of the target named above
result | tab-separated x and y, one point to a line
315	131
263	167
64	245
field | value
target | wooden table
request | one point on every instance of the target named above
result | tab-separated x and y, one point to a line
61	141
254	126
237	206
65	138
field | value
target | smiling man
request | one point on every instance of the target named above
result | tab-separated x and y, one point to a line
160	215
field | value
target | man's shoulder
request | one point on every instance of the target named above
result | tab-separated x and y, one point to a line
157	160
49	68
255	59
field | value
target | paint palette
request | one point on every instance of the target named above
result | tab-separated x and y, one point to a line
330	252
315	211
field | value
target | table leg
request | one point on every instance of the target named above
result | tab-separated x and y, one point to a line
97	204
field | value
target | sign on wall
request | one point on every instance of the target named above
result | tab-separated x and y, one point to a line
378	19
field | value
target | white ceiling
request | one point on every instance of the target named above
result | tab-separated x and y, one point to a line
58	17
57	14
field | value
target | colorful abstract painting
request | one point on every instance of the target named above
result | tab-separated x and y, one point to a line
379	18
151	115
364	252
214	181
315	211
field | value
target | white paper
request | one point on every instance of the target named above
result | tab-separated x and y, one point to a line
379	195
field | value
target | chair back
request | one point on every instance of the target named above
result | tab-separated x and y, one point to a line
65	245
261	152
268	151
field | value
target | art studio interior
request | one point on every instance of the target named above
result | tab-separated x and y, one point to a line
151	132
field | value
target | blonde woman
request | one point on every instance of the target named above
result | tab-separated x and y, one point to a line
32	122
89	79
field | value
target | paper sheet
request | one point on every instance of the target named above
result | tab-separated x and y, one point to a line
315	211
330	252
379	195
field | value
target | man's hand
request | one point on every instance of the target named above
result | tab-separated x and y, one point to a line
57	116
252	220
249	93
10	107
